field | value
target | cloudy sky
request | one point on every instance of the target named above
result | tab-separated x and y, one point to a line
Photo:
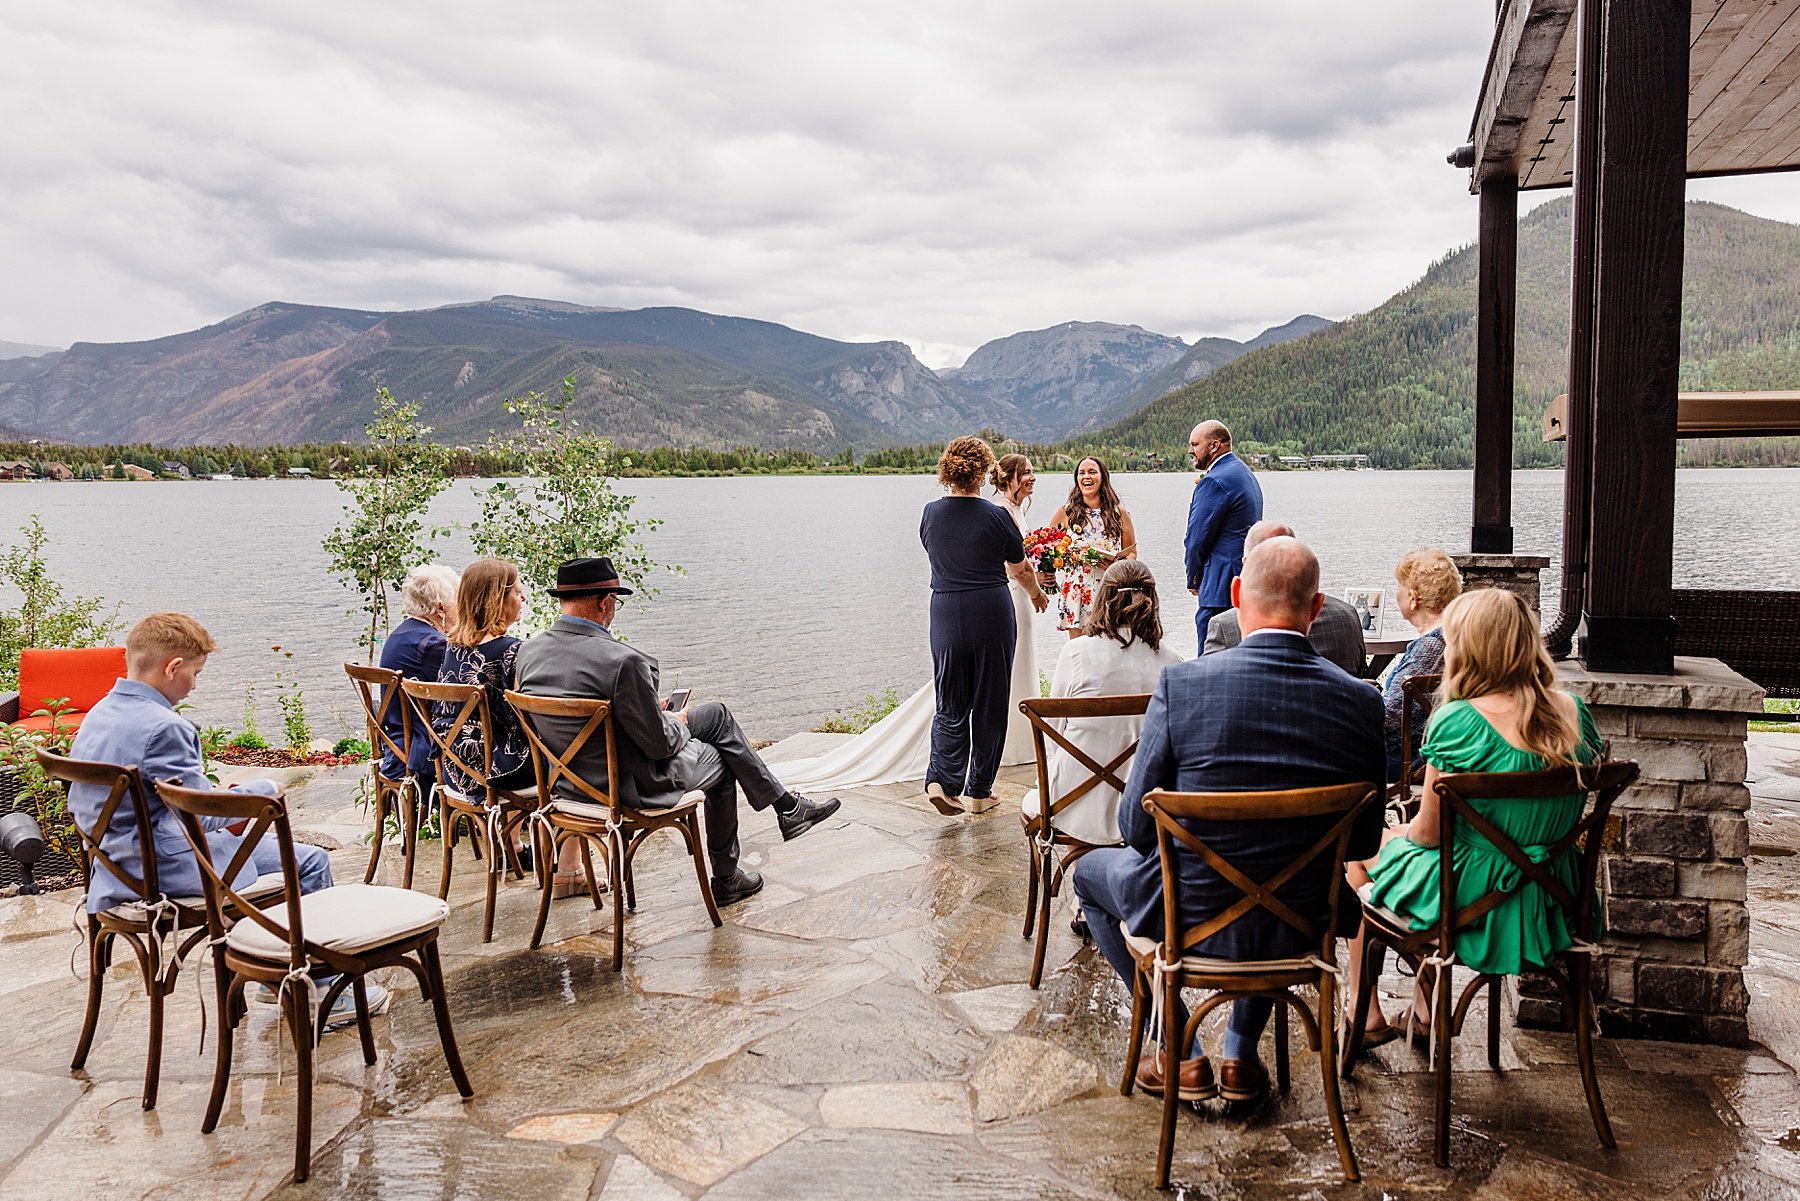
940	173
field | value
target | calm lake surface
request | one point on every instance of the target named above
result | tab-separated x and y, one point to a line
802	594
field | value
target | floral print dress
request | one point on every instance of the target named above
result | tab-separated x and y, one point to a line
491	666
1075	583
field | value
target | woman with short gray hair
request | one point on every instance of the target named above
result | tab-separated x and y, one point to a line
416	650
429	594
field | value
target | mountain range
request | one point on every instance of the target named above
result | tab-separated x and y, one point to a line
284	373
1398	382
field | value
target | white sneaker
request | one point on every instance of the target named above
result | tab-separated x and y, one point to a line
343	1010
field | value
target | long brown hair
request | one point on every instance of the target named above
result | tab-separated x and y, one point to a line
480	602
1125	606
1077	510
1493	648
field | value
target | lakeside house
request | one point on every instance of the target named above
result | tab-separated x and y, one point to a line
58	471
300	473
178	470
129	471
16	469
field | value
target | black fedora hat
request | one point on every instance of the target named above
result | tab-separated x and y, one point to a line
584	577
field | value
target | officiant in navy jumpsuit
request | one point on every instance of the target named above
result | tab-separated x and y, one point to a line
973	545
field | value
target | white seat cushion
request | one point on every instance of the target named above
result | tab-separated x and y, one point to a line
347	917
262	886
1141	947
600	813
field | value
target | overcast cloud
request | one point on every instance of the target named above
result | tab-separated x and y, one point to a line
939	173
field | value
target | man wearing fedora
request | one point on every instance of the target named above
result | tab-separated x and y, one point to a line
661	753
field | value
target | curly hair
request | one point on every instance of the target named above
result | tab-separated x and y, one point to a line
1125	607
964	464
1432	576
1076	508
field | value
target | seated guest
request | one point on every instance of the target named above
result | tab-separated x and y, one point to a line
489	598
1338	634
416	650
1500	714
660	752
1267	715
1120	653
1426	581
136	724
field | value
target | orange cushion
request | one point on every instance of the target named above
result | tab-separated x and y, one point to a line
67	720
83	676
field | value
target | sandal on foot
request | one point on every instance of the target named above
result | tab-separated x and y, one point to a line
571	884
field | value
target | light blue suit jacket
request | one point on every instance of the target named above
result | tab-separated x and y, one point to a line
134	725
1226	503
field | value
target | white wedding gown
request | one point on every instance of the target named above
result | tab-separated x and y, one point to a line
898	747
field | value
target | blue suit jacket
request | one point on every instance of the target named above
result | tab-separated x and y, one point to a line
416	650
1270	713
1226	503
134	725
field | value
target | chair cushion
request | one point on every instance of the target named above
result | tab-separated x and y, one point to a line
68	719
262	886
661	803
1143	948
82	675
348	918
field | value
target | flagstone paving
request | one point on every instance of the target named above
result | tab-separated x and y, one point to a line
861	1029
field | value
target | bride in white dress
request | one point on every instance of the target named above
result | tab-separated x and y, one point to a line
898	747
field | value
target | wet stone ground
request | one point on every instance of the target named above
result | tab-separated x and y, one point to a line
860	1029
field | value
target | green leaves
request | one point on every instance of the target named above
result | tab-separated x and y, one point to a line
46	616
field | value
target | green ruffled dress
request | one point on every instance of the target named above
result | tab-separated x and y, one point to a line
1527	929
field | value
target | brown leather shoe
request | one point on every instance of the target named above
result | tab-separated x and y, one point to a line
1243	1080
1196	1083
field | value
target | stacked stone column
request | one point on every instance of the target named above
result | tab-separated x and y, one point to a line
1672	882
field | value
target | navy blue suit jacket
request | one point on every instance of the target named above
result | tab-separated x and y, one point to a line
1226	503
1269	714
416	650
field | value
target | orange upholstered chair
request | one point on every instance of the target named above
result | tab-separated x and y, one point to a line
83	676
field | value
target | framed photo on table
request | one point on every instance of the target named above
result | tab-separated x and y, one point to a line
1369	609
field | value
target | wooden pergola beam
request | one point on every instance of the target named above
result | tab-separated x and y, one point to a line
1525	43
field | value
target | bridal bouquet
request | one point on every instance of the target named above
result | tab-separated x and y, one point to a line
1049	548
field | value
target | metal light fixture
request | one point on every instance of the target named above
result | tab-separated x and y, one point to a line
1463	157
21	838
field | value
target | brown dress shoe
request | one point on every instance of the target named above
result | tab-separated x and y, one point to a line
1196	1083
1243	1080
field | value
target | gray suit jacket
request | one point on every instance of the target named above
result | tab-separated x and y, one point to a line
1337	635
580	659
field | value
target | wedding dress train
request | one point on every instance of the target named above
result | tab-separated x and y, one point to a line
898	747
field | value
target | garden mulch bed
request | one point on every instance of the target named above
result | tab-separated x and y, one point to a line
280	756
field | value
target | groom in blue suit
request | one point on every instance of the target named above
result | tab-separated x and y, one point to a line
1227	501
1268	714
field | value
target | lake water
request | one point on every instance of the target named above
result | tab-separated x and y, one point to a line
802	594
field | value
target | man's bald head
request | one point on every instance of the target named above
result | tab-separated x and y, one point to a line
1262	531
1279	586
1207	442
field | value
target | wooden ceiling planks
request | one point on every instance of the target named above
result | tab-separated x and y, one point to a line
1744	92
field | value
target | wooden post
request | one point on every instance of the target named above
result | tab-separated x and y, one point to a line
1496	287
1640	223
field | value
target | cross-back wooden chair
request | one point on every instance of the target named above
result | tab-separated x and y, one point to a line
382	698
1053	852
490	813
1418	696
1427	948
141	924
1166	967
599	817
335	936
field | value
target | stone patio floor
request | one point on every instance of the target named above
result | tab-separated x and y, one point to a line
860	1029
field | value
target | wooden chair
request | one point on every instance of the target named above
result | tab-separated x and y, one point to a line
1418	695
1384	928
601	818
1043	841
141	924
491	814
1165	968
349	930
381	695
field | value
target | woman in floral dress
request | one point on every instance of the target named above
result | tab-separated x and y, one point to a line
1094	517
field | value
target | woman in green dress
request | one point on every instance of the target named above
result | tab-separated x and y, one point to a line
1499	712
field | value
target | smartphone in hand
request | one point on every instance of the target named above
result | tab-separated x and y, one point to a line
678	700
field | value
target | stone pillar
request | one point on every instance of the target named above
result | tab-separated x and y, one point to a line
1515	573
1672	882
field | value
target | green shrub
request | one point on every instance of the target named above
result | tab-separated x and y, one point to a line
854	719
351	746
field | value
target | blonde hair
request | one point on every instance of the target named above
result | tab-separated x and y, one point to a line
480	601
1125	608
964	462
160	637
1432	576
1493	648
